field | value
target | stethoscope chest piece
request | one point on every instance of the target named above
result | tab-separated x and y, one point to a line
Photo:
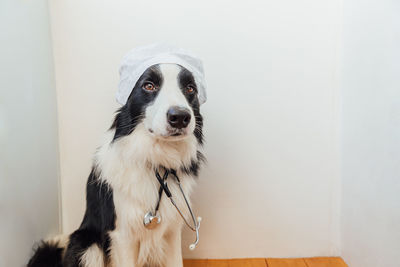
151	221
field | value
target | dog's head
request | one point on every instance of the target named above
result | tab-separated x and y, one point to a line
165	100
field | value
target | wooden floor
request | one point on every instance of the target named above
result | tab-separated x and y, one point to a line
300	262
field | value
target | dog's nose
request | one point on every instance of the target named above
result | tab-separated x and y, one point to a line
178	117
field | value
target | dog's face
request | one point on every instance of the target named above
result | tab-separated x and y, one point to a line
165	100
172	92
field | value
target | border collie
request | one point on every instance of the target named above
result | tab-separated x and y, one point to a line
159	128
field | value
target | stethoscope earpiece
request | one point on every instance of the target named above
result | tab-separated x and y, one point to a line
197	223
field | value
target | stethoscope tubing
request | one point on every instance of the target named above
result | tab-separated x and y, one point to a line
164	186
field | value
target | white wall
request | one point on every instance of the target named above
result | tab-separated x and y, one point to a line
371	134
29	174
270	188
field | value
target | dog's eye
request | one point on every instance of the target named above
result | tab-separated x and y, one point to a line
190	89
149	87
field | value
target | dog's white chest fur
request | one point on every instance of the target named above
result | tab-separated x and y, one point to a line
127	165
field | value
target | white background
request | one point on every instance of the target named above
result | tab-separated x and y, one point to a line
371	134
270	187
29	171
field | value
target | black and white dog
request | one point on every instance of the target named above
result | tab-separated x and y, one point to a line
159	127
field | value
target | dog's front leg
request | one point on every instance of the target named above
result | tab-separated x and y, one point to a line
173	249
123	252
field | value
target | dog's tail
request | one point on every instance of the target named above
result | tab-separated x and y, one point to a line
49	253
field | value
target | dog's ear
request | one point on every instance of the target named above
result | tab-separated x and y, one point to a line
123	123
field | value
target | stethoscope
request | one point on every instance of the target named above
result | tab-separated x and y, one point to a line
152	220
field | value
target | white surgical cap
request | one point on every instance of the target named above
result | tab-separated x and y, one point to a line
135	63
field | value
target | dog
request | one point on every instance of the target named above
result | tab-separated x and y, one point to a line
159	128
